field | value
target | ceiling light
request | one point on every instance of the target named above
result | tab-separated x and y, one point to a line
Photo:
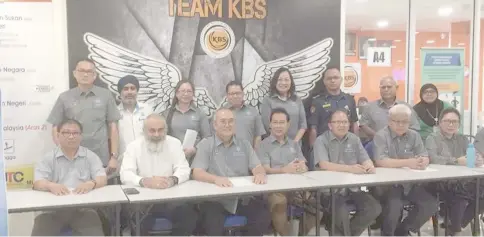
382	24
399	61
361	0
461	44
416	59
416	32
372	39
445	11
397	41
393	47
430	41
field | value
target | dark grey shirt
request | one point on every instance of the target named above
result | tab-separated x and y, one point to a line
387	144
278	155
347	151
248	123
479	141
376	115
443	150
294	108
57	168
94	110
193	119
322	107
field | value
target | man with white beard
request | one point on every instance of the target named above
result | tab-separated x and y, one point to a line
157	161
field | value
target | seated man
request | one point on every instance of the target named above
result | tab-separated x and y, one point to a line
397	146
69	168
279	154
223	156
157	161
340	150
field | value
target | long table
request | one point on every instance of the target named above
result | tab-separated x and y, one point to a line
385	176
195	190
31	200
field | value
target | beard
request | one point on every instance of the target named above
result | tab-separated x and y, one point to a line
155	145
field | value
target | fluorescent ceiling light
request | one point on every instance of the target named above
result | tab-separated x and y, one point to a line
382	24
461	44
372	39
430	41
445	11
416	59
397	41
399	61
393	47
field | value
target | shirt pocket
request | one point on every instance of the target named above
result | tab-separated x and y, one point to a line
239	163
350	156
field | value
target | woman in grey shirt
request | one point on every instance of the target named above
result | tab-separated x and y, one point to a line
282	94
183	115
448	147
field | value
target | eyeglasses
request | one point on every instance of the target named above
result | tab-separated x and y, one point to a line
430	92
341	122
401	122
185	92
226	122
450	122
68	134
386	87
334	78
236	93
89	72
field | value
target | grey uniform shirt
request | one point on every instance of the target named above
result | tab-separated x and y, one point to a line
278	155
193	119
94	109
376	115
479	141
443	150
236	160
389	145
347	151
57	168
248	123
294	108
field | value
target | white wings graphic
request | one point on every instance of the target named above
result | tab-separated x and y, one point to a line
306	66
157	79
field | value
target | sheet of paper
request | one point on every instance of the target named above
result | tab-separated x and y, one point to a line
190	138
241	182
425	170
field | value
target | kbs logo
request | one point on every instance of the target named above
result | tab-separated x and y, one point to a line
217	39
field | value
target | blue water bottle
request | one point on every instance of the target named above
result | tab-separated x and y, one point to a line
471	156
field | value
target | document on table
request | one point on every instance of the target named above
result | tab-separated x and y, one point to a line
190	138
241	182
428	169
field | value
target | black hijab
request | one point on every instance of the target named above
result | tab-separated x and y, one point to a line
427	112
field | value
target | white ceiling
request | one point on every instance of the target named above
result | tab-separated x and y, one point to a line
364	14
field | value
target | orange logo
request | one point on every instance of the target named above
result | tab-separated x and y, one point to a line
217	39
351	77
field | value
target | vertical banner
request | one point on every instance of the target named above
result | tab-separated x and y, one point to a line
444	67
209	42
3	184
352	80
28	83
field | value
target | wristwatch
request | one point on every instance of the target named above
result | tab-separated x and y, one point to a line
174	179
114	155
141	183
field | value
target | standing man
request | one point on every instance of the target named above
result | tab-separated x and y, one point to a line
94	107
220	157
397	146
69	168
157	161
324	104
133	113
248	123
340	150
375	114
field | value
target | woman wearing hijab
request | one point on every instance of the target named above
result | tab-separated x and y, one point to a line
428	109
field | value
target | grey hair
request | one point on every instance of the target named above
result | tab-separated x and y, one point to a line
399	110
389	78
155	116
214	118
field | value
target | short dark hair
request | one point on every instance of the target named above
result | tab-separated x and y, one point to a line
448	111
280	111
339	111
330	68
233	83
69	121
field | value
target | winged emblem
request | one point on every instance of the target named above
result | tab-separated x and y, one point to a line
306	66
157	78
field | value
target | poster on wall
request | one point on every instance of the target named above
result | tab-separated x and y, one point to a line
352	79
207	42
379	57
28	85
444	67
3	183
